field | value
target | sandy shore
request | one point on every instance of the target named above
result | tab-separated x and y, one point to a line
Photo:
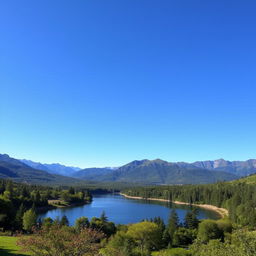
221	211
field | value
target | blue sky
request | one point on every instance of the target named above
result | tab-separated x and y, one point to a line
101	83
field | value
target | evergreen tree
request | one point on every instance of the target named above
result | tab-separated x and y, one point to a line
71	191
191	220
208	229
47	222
29	220
19	217
103	217
81	223
64	221
37	197
172	226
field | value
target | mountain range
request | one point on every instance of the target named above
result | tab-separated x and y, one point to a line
138	171
52	168
240	168
18	171
156	172
159	171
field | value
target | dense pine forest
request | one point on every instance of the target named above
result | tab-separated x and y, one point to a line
16	199
238	198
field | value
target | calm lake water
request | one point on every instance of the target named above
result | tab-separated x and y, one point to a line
122	210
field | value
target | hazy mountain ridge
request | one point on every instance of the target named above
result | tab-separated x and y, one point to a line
240	168
90	173
52	168
16	170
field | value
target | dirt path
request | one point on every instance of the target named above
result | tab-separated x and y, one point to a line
221	211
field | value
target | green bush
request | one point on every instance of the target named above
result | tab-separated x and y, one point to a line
172	252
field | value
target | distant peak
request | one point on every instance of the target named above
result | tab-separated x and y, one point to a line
159	160
5	155
220	160
137	162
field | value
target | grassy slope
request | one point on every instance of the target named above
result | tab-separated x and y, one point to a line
8	246
247	180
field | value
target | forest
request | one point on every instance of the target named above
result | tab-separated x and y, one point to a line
232	235
16	199
238	198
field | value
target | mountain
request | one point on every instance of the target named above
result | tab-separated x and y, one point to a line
239	168
91	173
52	168
160	172
16	170
7	158
138	171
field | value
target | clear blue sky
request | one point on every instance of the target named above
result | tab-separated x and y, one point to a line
101	83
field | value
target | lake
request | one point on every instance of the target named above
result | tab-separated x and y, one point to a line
122	210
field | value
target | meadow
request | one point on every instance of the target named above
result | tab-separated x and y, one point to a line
8	247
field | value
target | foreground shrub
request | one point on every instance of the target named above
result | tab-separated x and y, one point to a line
138	240
172	252
243	243
62	241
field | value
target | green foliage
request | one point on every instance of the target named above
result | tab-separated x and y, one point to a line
139	239
63	241
7	212
65	196
108	228
191	221
213	248
121	244
29	220
182	237
225	225
19	216
243	243
172	252
64	221
237	198
251	179
147	235
173	222
47	222
208	229
103	217
81	223
17	198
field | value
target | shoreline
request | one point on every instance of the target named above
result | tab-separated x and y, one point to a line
51	206
221	211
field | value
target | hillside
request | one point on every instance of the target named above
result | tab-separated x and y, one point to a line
14	169
246	180
91	173
158	172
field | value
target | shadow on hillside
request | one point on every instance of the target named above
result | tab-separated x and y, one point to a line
6	252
